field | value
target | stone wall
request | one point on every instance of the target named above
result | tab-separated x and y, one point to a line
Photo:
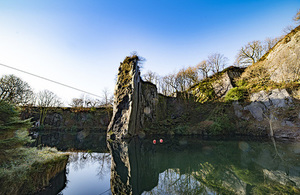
70	118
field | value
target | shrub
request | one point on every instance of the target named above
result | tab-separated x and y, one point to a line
222	125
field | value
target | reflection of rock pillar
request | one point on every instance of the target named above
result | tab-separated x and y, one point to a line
120	168
131	170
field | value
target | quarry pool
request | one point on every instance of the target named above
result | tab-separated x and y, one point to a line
178	165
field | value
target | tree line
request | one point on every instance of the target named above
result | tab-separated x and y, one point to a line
18	92
15	91
187	77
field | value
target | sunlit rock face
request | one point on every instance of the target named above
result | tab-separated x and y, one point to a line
225	82
134	103
283	62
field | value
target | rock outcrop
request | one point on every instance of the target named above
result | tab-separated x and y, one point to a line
274	110
263	101
226	81
217	85
134	103
282	62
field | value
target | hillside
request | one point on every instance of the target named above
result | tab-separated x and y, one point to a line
261	100
279	67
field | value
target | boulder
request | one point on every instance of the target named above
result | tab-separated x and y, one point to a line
280	98
257	110
276	98
225	82
261	96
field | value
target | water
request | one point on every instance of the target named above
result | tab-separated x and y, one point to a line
88	173
179	165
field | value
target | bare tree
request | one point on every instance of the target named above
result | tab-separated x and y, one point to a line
45	100
164	86
77	102
297	17
192	75
204	68
14	90
168	84
288	29
107	98
250	53
270	43
186	78
217	62
151	77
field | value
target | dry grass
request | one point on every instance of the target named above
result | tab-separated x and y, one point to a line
30	169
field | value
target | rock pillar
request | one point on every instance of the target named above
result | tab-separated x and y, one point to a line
134	102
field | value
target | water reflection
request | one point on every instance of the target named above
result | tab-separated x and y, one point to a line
180	166
65	141
172	182
210	167
88	173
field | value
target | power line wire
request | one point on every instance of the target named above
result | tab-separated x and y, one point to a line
74	88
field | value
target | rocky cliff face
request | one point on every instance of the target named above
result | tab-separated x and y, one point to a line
282	62
275	113
226	81
135	101
216	86
70	118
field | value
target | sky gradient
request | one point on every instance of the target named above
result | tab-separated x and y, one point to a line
82	42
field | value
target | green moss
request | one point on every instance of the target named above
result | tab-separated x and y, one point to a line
204	92
275	188
250	177
211	177
236	93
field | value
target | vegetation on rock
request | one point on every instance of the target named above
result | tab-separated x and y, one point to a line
23	170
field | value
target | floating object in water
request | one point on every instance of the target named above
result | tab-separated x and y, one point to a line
161	140
154	141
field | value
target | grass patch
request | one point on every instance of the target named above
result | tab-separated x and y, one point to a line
30	169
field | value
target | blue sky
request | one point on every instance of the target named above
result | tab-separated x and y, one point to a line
81	42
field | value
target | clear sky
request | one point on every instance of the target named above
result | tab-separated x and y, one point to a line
82	42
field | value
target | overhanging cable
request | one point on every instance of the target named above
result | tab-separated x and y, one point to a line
50	80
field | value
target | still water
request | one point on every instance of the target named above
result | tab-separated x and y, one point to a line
179	165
